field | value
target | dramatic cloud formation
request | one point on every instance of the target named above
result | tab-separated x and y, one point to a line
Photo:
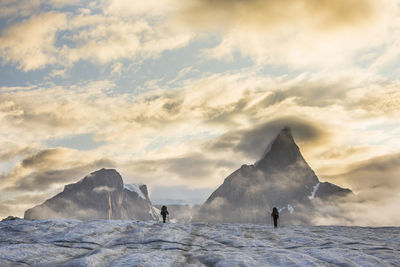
366	176
45	168
299	33
254	141
102	38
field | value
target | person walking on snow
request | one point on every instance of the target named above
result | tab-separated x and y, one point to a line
164	213
275	216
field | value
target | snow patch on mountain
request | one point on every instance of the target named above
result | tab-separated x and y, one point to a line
102	189
135	188
290	208
314	191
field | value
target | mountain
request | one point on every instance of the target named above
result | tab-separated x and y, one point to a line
100	195
281	178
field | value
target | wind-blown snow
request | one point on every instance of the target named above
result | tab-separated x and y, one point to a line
314	191
131	243
135	188
290	208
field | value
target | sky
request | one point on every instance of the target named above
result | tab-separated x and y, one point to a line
177	94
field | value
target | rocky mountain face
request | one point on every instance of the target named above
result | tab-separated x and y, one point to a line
100	195
281	178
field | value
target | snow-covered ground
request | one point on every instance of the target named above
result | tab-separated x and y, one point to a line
131	243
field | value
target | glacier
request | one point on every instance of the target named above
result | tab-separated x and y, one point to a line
61	242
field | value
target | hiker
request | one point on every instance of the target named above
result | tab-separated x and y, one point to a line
164	213
275	216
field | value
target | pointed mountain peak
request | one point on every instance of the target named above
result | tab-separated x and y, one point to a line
282	148
285	134
286	131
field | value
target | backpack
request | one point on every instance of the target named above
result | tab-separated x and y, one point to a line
275	212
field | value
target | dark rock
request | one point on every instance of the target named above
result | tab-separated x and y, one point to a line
11	218
327	191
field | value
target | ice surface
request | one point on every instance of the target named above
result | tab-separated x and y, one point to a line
132	243
135	188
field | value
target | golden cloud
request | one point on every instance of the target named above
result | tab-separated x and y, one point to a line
30	43
100	38
45	168
300	34
131	8
263	15
376	184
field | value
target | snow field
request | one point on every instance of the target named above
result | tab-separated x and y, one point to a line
132	243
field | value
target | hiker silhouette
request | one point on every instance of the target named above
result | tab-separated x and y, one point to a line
164	213
275	216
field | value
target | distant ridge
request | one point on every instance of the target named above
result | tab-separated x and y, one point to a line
100	195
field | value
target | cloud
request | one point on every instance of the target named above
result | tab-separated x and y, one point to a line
335	156
116	68
11	152
386	102
13	10
31	43
304	131
376	186
267	14
377	172
16	204
373	209
50	112
44	159
179	194
62	39
5	209
49	167
302	34
226	110
102	189
253	141
61	3
147	8
10	8
190	169
299	34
